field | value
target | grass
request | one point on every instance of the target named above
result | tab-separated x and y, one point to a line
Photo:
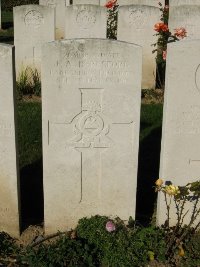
29	132
7	34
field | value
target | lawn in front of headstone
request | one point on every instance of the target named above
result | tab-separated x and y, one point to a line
7	32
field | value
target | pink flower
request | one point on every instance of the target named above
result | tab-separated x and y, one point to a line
180	33
166	8
164	55
111	3
110	226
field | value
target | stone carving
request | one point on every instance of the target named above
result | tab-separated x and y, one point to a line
136	17
85	19
33	18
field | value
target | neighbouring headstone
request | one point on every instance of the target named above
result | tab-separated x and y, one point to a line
188	17
91	114
183	2
85	21
67	2
140	2
0	14
9	189
87	2
59	6
136	25
180	153
33	26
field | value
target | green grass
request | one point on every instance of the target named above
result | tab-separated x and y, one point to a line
7	17
151	118
29	132
7	34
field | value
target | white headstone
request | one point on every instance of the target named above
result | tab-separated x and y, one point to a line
59	6
140	2
86	2
91	113
188	17
33	26
180	153
85	21
183	2
67	2
9	206
136	25
0	14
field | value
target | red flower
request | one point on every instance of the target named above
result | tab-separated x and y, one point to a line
158	27
164	55
180	33
111	3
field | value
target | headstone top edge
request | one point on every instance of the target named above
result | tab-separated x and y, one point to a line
184	43
7	45
84	40
85	5
136	5
32	6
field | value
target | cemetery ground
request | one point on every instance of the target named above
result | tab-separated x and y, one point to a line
92	243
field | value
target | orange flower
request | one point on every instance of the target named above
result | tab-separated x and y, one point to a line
110	3
158	27
164	55
180	33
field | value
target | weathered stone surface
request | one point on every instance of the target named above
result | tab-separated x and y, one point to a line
184	2
87	2
59	6
187	17
9	206
140	2
91	114
33	26
0	14
180	153
67	2
136	25
85	21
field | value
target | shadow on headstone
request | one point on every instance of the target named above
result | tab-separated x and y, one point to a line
32	202
148	173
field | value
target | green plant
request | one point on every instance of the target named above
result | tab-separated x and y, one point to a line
165	36
177	236
28	82
125	246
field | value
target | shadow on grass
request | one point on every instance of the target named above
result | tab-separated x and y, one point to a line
148	173
7	25
6	39
32	202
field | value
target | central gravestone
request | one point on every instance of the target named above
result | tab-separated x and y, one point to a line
91	113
